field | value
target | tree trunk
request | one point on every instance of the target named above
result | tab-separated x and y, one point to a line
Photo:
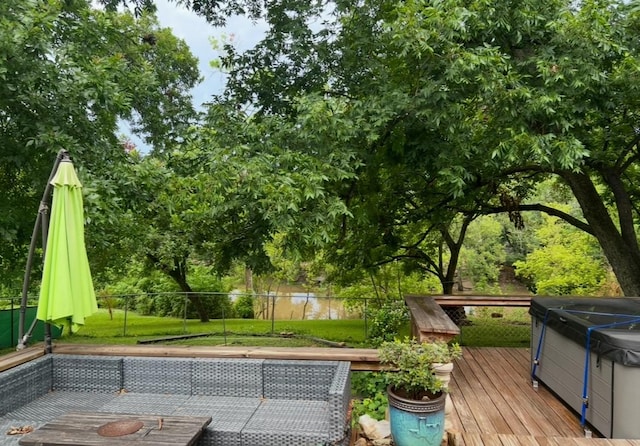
622	254
457	313
194	298
248	279
178	272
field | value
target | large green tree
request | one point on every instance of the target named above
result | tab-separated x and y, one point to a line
473	98
68	74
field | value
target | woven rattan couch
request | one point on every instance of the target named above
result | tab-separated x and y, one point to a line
251	401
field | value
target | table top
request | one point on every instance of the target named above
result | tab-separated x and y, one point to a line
81	429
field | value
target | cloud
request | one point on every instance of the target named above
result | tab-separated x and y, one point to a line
196	32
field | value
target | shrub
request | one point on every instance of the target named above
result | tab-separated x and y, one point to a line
387	321
243	307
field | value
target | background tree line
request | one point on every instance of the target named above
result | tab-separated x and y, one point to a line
362	133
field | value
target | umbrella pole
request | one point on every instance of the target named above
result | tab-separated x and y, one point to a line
44	221
43	213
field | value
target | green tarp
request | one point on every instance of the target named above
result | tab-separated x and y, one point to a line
9	327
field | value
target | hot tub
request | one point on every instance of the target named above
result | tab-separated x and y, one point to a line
604	385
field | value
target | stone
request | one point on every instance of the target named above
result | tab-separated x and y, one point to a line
382	442
361	442
374	429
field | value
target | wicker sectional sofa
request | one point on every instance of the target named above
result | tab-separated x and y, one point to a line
251	401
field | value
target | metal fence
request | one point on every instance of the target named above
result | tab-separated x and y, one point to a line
481	326
496	327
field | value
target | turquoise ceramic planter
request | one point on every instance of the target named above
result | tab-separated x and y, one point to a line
416	423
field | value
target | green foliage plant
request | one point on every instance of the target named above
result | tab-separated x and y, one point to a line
387	321
567	262
370	392
483	253
368	384
374	406
243	307
411	365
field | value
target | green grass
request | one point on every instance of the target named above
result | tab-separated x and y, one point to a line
486	330
511	329
102	329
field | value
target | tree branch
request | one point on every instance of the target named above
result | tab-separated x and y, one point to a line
623	166
623	205
573	221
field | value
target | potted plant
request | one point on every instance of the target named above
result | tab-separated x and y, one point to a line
416	395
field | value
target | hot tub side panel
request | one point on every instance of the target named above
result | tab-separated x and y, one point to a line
561	369
626	402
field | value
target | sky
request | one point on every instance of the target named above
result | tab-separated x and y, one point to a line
196	32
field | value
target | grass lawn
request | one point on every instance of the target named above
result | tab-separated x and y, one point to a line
101	328
497	327
509	328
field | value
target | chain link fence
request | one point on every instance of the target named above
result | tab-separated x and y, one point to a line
480	326
495	327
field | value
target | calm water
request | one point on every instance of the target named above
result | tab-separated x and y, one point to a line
292	303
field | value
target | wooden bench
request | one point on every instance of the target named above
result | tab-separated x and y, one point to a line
429	322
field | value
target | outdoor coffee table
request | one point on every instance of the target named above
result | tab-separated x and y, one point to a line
89	429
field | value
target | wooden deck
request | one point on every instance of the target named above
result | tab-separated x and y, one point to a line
496	405
494	401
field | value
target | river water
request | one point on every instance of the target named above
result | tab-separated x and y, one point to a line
296	303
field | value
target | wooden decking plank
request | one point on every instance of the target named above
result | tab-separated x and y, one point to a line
472	439
463	419
477	409
535	417
480	439
453	417
501	396
484	301
532	420
515	440
553	441
485	408
360	358
542	398
496	382
14	359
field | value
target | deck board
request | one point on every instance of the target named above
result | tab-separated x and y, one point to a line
361	359
14	359
476	439
473	396
519	420
527	420
495	404
519	360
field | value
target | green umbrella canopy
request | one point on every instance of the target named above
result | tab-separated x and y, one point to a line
67	292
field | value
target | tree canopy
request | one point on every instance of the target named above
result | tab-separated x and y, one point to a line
382	129
68	74
459	106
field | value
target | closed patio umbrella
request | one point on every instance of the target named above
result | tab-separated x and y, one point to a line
66	293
